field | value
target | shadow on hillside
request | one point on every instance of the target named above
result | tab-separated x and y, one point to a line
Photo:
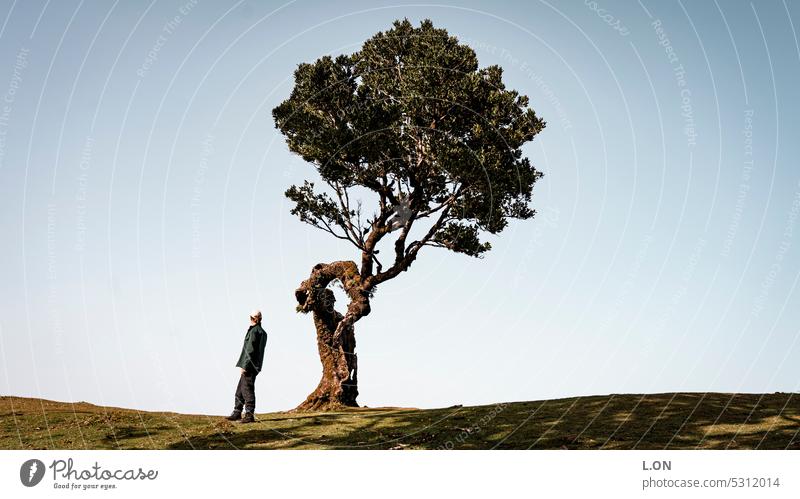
682	421
671	421
369	431
119	434
657	421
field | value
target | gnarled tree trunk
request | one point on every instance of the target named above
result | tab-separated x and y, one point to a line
336	340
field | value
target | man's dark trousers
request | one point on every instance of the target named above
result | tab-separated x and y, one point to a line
246	392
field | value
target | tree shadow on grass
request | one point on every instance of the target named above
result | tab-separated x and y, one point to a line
119	434
627	421
653	421
347	430
665	421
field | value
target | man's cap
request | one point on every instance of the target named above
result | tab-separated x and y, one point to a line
255	313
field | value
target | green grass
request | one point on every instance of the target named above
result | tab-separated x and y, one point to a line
652	421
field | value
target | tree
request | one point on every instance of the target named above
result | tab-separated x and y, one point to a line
412	125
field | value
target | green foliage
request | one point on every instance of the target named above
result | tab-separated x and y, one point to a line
314	208
412	116
461	238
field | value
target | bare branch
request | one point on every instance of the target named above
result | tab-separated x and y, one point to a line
327	228
344	202
330	230
378	263
410	252
414	247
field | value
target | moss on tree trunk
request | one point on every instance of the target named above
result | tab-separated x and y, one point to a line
336	340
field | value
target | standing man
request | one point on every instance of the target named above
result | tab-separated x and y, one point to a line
250	364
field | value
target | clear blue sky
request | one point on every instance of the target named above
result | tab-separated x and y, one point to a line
142	210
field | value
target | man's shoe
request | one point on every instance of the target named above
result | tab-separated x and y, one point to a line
248	418
235	416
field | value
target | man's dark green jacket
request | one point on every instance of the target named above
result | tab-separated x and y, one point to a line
253	349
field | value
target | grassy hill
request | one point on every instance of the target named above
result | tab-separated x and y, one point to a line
652	421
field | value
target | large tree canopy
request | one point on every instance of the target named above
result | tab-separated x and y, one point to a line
413	120
411	117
